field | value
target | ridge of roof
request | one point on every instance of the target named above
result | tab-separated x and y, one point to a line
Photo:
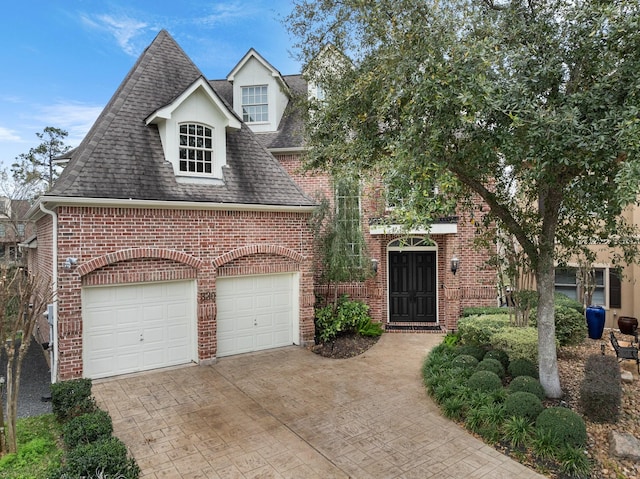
122	157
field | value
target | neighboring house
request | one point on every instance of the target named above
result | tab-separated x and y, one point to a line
179	229
14	228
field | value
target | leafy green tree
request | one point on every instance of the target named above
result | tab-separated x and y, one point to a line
339	238
36	168
531	105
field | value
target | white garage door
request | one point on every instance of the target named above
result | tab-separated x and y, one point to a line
138	327
256	312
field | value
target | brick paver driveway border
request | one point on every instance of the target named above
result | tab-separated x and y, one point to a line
288	413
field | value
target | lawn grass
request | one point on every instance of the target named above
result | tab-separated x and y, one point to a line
38	449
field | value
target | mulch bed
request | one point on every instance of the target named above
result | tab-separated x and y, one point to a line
345	346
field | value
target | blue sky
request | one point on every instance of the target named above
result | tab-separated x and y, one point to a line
61	61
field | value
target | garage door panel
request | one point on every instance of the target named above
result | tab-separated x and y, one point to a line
255	312
116	318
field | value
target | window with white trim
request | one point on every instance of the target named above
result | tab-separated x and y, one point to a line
21	229
3	230
196	148
567	282
255	104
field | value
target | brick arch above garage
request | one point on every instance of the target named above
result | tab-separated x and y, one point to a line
258	259
138	253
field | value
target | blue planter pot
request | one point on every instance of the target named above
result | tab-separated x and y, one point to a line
595	321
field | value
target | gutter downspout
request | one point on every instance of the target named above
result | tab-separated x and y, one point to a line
54	288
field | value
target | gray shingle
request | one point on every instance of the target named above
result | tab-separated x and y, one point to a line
121	157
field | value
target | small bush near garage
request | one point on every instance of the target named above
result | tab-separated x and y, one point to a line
108	456
347	316
87	428
71	398
601	389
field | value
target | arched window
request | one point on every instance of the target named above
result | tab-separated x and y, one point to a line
196	148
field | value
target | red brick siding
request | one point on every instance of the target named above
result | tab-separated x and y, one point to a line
125	245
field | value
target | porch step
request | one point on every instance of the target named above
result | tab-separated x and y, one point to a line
413	327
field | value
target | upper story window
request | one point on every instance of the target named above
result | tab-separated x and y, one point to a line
3	230
348	213
196	148
255	104
21	229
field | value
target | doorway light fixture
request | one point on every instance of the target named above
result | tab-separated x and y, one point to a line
455	264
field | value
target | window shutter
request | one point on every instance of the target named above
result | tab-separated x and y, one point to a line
615	290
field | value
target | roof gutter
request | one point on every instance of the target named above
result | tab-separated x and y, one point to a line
54	289
53	201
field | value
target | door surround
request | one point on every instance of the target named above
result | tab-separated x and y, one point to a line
412	243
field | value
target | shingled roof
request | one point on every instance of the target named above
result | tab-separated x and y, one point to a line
122	158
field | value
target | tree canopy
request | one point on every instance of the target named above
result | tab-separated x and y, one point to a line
35	170
532	105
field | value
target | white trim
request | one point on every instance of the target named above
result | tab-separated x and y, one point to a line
55	201
434	229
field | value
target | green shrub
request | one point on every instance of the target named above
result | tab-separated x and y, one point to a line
517	342
565	426
464	361
485	381
601	389
478	330
483	311
574	462
71	398
87	428
471	350
348	316
571	327
369	328
500	355
451	339
493	365
106	455
522	367
454	408
523	404
517	430
527	384
560	299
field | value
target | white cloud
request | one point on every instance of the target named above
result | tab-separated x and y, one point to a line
7	134
123	28
77	118
223	13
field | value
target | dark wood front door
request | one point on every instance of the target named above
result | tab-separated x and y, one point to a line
412	286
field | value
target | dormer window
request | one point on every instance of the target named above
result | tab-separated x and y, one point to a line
255	104
196	148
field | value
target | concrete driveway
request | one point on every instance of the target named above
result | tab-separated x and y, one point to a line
288	413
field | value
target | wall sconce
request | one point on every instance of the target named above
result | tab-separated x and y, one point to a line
455	263
374	265
69	262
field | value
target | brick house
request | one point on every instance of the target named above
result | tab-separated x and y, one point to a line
179	229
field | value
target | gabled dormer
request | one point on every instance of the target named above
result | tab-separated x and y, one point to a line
193	131
260	94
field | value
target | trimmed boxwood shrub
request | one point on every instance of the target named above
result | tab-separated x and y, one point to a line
464	361
493	365
485	381
571	327
517	342
71	398
523	404
107	456
527	384
87	428
483	311
500	355
522	367
479	330
566	427
601	389
471	350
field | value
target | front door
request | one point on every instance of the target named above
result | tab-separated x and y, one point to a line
412	286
